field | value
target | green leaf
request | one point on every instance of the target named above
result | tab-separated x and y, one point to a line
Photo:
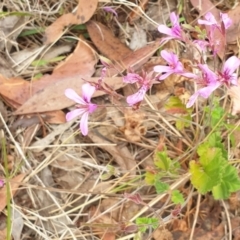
20	14
230	183
150	177
188	27
144	223
42	62
212	157
79	27
208	172
215	140
174	105
161	187
31	32
184	122
177	197
162	161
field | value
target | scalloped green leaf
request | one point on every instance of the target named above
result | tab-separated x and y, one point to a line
230	183
205	177
161	187
177	197
162	161
144	223
150	177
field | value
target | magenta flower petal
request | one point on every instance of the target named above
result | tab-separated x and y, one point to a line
164	29
1	183
234	79
132	78
171	58
208	75
84	124
178	68
226	20
161	69
174	18
192	100
136	97
210	19
110	10
202	44
164	76
189	75
203	92
87	91
84	106
231	65
175	66
175	31
71	94
92	107
74	113
207	91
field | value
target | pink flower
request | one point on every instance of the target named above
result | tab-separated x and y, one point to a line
110	10
210	82
227	22
1	183
175	66
84	105
145	83
201	44
227	73
175	32
213	24
211	21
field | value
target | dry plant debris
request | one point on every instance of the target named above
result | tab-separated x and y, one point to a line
133	175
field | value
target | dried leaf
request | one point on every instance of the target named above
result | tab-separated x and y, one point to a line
136	59
122	156
234	94
5	68
136	12
78	66
17	224
233	32
110	226
52	97
10	27
15	89
3	111
85	10
14	184
55	117
107	44
43	143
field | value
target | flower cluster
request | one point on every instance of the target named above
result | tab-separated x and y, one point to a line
207	79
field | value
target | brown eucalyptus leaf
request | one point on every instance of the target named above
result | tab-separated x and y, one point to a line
136	59
14	185
233	33
80	64
109	45
52	97
85	10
